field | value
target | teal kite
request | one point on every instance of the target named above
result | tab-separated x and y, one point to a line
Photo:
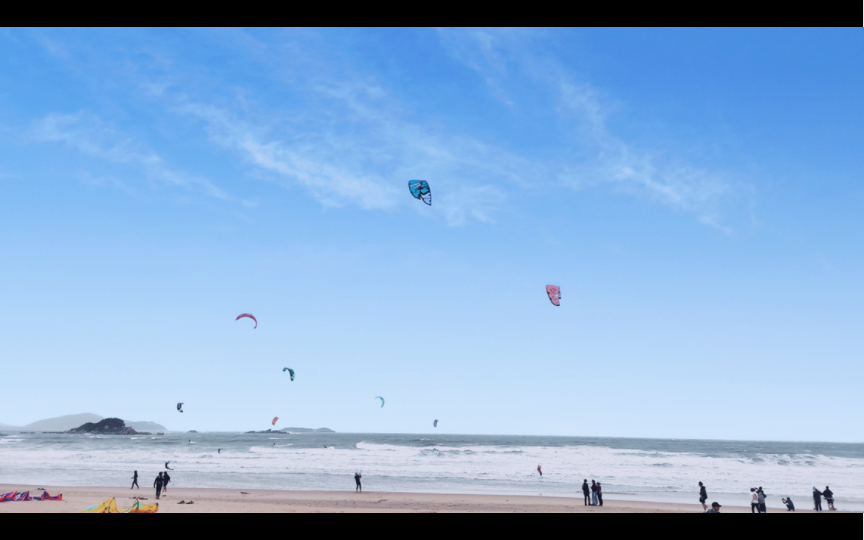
289	370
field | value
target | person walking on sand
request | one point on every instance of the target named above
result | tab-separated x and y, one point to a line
817	499
600	493
359	487
829	498
593	493
760	496
586	492
166	480
754	501
135	481
158	484
703	496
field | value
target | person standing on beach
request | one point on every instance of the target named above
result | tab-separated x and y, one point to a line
359	487
586	492
829	498
754	501
158	484
600	493
703	496
817	500
166	479
760	496
135	481
593	493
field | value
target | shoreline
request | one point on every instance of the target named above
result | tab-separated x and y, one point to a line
213	500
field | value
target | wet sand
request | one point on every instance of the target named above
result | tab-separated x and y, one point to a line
76	499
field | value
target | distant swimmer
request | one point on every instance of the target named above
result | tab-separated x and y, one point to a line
220	450
540	470
325	446
167	467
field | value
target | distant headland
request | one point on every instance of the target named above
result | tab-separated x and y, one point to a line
74	421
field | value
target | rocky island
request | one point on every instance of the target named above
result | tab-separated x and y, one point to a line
108	426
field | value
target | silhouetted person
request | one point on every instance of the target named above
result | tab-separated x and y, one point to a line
135	481
600	493
790	506
167	467
703	496
539	470
817	500
166	480
829	498
593	493
586	492
159	483
357	477
715	508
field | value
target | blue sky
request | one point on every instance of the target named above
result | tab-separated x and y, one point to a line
697	194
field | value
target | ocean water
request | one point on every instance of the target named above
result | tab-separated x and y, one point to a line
642	469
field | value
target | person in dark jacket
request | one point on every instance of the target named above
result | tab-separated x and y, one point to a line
703	496
829	498
158	484
593	493
761	498
359	486
166	479
135	481
715	508
586	492
600	493
790	506
817	500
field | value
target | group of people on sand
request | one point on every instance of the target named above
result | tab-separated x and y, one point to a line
757	500
593	495
161	483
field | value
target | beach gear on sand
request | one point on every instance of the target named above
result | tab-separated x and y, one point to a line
46	497
420	190
139	508
247	316
7	497
105	507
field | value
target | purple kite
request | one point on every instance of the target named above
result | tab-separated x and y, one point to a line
554	292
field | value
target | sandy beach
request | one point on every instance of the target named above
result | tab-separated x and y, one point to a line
76	499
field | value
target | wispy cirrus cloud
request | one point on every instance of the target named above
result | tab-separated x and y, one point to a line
89	135
603	159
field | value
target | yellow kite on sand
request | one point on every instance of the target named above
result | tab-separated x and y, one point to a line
110	507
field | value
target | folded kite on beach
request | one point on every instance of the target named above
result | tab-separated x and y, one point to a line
6	497
105	507
139	508
46	497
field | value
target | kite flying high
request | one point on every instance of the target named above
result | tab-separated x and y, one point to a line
420	190
554	293
248	316
289	370
382	400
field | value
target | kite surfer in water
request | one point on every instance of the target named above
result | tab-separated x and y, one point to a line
167	462
540	470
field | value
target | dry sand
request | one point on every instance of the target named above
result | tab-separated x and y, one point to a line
76	499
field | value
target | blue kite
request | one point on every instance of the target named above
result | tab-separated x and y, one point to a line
420	190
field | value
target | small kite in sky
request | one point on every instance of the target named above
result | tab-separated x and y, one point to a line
435	423
290	371
420	190
247	316
275	420
180	407
554	292
382	400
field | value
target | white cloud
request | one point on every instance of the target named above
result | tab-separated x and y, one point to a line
89	135
604	160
